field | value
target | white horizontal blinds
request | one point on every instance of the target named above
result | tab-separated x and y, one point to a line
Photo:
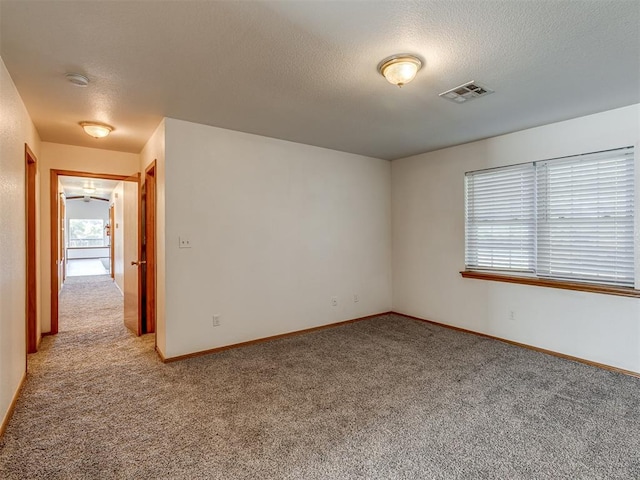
500	217
585	218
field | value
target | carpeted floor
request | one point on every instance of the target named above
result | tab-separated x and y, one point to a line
387	398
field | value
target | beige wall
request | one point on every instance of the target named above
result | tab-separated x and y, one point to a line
129	227
117	199
277	229
428	247
155	150
16	129
80	159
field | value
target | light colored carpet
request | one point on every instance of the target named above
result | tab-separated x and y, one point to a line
387	398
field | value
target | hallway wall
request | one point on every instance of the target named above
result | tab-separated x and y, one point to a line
16	129
81	159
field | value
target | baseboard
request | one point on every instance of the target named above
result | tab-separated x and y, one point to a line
12	405
444	325
42	335
529	347
117	286
162	359
265	339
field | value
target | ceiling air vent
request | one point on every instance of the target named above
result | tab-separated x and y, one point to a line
465	92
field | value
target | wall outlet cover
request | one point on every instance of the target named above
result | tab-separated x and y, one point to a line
184	242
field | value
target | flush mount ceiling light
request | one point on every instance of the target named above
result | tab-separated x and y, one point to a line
96	130
400	69
77	79
89	189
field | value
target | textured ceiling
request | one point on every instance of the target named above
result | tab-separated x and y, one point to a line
306	71
73	186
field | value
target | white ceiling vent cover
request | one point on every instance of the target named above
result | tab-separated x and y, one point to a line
466	91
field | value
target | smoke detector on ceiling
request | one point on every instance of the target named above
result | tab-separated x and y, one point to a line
465	92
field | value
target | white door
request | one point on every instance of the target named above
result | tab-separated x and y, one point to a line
131	254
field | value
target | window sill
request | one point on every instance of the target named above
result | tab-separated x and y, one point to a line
566	285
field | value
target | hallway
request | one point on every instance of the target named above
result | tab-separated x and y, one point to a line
80	267
75	389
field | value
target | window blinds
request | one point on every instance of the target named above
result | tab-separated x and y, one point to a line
569	218
585	218
500	219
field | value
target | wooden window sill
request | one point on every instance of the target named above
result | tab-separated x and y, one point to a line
541	282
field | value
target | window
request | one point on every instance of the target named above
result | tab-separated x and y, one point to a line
86	232
563	219
500	219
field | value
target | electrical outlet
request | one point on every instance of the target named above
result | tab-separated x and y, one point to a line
216	320
512	315
184	242
334	301
356	298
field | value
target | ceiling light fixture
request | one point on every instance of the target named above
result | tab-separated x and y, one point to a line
96	130
400	69
77	79
89	190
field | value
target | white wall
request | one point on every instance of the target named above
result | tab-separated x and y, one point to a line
88	252
16	128
79	159
154	150
277	229
428	248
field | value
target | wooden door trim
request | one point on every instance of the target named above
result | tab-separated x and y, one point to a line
31	293
53	227
150	324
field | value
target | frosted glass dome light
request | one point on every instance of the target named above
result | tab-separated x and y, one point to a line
400	69
96	130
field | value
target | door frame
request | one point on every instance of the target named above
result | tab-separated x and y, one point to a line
150	245
31	227
53	199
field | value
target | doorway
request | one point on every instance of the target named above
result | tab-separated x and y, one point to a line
85	239
128	254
